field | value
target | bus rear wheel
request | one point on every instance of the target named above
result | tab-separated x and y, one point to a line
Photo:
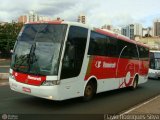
135	83
89	92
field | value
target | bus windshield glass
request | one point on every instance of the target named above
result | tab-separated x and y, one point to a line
38	47
156	55
155	63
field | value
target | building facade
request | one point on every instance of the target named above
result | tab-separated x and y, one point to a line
22	19
82	19
112	28
44	18
156	27
132	30
137	29
128	31
32	16
108	27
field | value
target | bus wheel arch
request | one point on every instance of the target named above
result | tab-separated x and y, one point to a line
90	89
135	82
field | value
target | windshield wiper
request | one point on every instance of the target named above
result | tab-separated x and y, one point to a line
32	55
32	59
28	58
19	61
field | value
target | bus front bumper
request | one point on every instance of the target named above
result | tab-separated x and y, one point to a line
154	74
47	92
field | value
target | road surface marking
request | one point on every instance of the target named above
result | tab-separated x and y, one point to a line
5	66
4	83
138	106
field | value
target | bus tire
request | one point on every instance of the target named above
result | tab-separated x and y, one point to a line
135	83
90	91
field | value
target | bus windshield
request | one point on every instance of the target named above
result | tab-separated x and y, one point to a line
155	63
37	50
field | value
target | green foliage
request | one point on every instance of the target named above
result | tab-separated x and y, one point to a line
8	35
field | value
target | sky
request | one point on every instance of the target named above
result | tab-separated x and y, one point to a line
97	12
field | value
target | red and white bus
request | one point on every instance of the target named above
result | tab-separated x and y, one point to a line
62	60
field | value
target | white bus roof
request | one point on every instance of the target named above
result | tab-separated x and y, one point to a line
107	32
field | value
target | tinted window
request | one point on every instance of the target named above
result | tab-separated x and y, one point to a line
129	50
122	46
98	44
112	47
74	52
157	55
102	45
151	55
143	53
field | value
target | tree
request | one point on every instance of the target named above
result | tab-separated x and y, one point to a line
8	36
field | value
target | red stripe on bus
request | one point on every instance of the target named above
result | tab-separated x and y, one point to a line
29	79
110	67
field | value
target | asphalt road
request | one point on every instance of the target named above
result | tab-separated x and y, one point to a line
112	102
4	69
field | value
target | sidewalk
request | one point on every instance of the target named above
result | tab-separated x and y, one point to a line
4	76
151	106
2	60
4	69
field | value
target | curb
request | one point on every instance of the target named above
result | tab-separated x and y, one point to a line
4	66
2	60
4	76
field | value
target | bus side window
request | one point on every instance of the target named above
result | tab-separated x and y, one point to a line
143	53
152	64
112	47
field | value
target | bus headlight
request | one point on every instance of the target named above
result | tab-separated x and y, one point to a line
11	76
51	83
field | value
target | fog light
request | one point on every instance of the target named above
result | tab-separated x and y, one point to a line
51	83
11	76
50	97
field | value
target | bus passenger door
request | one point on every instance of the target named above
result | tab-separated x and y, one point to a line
71	78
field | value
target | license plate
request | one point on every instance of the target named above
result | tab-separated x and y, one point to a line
26	89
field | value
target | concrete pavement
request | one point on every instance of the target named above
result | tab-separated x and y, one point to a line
151	106
4	76
4	68
148	110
